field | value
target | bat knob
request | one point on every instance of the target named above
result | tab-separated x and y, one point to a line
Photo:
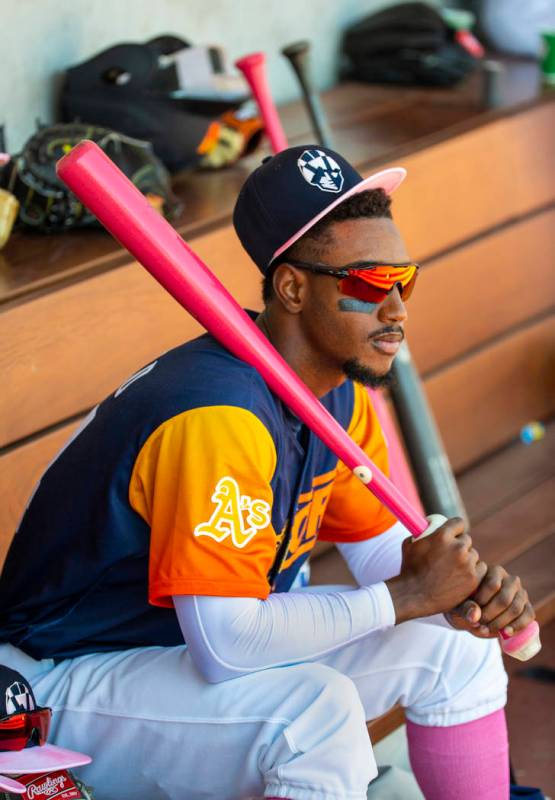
297	54
250	61
524	644
253	67
296	49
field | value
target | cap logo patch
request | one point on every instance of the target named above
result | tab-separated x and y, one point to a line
321	170
18	698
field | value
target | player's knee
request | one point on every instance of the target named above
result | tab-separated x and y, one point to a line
330	712
334	691
325	731
342	692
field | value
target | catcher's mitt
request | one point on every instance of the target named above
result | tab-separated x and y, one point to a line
46	204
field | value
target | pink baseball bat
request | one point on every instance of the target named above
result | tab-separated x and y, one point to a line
253	68
123	210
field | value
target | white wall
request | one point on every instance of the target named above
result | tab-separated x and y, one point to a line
40	38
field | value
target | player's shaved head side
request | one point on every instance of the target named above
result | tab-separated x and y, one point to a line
373	203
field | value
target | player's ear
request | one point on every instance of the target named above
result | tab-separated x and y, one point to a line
290	287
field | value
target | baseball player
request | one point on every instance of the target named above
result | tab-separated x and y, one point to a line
150	592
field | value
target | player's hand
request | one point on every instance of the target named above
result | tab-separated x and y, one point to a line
437	573
500	602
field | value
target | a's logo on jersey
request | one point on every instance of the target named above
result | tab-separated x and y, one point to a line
321	170
236	515
18	698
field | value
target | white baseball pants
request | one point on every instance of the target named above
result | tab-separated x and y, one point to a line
156	729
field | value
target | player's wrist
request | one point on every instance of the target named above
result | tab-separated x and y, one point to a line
407	600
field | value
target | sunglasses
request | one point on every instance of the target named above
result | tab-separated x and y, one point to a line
370	281
17	730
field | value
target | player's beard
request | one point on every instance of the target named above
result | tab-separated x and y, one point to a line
356	371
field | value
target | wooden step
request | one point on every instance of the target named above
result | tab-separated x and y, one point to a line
516	527
535	569
382	726
505	475
20	469
480	402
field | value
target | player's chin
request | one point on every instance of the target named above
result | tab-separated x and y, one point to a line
375	375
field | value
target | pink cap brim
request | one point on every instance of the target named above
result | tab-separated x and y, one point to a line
9	785
387	179
40	759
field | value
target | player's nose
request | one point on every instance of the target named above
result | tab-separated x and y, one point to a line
393	309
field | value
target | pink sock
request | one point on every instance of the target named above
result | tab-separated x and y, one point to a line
462	762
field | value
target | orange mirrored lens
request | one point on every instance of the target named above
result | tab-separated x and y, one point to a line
355	287
17	730
376	284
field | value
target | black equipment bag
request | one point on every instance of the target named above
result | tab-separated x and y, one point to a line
134	88
46	203
408	44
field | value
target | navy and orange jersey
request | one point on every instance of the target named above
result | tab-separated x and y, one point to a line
192	478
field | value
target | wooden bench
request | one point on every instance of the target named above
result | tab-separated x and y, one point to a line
478	209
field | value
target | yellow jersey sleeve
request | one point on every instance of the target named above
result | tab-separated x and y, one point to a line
353	513
202	482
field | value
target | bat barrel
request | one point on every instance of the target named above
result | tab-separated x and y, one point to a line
436	482
253	67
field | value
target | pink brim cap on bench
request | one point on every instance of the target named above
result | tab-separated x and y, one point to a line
47	758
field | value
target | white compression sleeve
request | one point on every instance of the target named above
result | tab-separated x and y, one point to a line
232	636
379	559
376	559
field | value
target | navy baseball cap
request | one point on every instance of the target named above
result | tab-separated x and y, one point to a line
291	191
